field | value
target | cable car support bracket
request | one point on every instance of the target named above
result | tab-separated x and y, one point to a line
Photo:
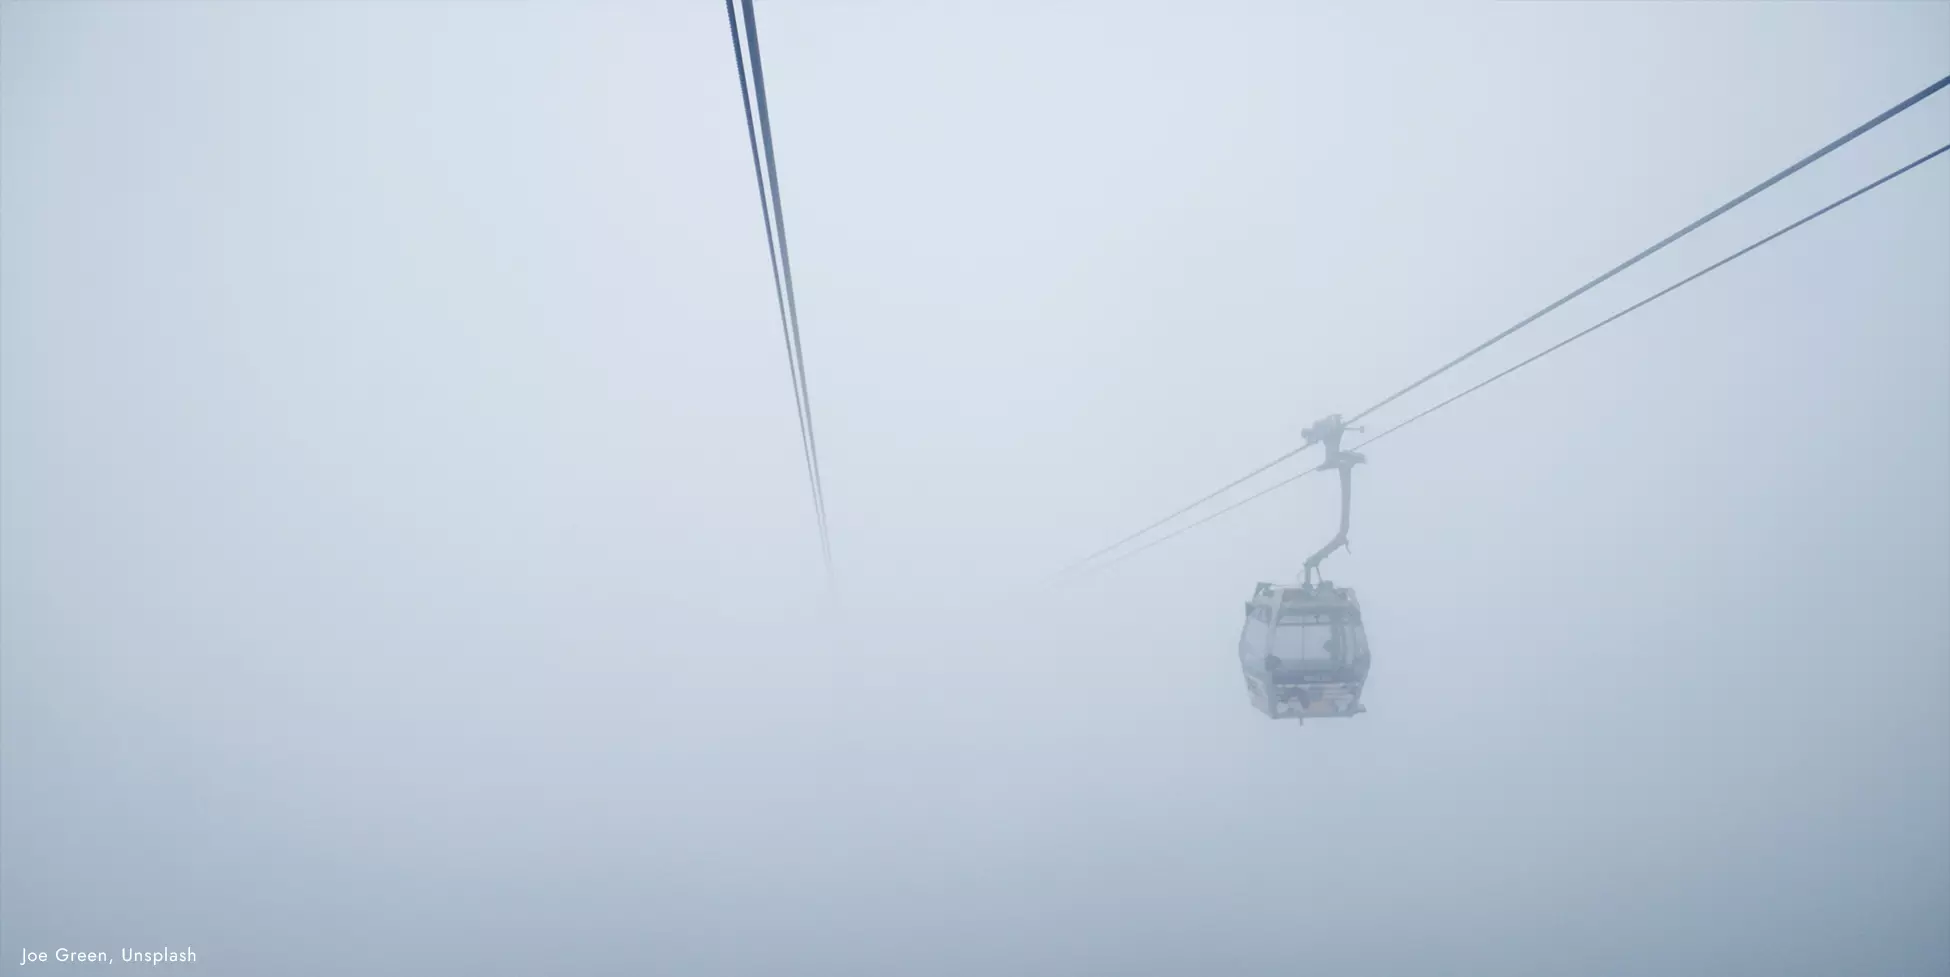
1328	431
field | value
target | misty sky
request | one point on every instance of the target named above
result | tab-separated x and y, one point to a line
406	563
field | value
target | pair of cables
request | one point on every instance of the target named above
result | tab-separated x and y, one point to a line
751	88
1092	564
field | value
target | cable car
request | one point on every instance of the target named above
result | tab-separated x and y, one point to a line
1304	649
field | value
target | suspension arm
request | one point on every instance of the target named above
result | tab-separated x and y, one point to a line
1340	538
1328	430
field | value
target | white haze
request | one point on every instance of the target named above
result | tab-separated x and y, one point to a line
406	562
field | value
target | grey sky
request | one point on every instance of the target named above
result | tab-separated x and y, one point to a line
406	563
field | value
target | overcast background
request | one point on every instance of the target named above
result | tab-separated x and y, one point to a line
406	563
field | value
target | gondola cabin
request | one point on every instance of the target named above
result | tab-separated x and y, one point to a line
1304	651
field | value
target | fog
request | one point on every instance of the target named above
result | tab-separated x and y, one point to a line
407	564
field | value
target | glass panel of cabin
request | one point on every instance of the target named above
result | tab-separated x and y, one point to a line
1304	637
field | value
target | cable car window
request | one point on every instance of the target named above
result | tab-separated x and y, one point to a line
1255	638
1306	639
